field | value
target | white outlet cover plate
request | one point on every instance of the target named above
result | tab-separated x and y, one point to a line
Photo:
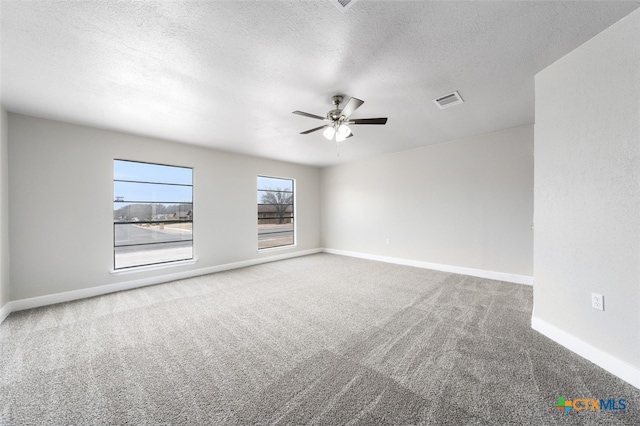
597	301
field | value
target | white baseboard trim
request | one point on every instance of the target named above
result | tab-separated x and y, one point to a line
610	363
499	276
68	296
5	311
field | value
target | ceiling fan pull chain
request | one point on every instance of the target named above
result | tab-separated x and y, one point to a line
338	149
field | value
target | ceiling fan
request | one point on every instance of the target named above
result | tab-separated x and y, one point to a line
338	119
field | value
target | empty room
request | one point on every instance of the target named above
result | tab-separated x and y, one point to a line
319	212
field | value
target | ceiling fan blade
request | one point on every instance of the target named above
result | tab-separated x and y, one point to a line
350	134
368	121
351	106
306	132
306	114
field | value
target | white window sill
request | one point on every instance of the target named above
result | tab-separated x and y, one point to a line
147	268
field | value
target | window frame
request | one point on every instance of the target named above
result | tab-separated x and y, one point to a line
293	216
119	199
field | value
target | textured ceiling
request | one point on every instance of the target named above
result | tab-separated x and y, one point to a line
227	75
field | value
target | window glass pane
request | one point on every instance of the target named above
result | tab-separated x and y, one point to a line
269	182
128	212
152	213
273	197
275	212
141	192
145	172
149	233
128	256
275	235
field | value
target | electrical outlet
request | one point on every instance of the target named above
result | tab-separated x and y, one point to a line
597	301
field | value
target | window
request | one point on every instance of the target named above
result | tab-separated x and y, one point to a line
275	212
152	214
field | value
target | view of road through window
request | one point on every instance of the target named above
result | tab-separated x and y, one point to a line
275	212
152	213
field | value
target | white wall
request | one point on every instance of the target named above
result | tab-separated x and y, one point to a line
466	203
61	180
587	197
4	211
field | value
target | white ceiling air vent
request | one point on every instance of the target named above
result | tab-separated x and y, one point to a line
451	99
343	5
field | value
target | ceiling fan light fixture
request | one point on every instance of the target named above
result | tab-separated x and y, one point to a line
329	132
343	131
340	137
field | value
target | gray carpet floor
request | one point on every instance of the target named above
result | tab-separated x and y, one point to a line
320	339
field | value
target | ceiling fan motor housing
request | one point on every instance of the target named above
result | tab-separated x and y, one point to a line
334	114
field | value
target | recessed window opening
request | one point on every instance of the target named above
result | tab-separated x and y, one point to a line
152	214
276	210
